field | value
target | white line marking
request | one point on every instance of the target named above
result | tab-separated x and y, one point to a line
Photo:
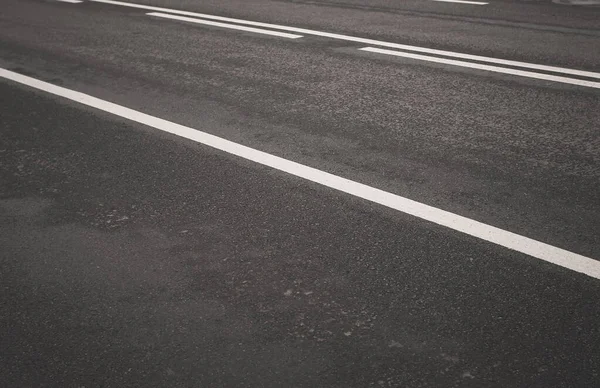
373	42
496	69
71	1
453	221
462	2
225	25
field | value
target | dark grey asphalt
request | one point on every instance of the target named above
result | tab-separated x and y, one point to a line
130	258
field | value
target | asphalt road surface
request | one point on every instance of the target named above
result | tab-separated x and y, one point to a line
137	250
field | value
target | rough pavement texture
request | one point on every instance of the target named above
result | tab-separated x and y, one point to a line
152	262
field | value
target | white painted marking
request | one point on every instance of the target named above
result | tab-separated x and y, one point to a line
462	2
372	42
496	69
71	1
225	25
453	221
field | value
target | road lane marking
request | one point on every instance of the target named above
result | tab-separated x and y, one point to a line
528	246
462	2
371	42
496	69
225	25
71	1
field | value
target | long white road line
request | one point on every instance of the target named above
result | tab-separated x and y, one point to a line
496	69
225	25
453	221
462	2
369	42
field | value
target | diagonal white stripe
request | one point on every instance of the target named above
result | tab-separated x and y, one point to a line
225	25
453	221
496	69
462	2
